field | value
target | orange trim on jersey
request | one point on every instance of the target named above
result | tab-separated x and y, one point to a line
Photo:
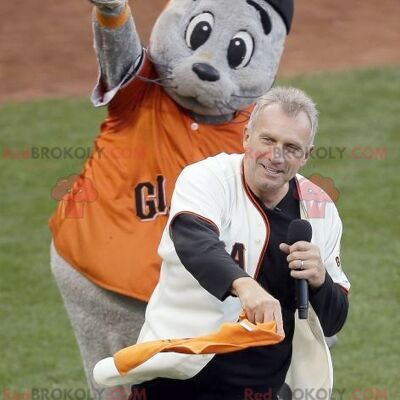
343	289
113	21
301	199
196	215
229	338
265	218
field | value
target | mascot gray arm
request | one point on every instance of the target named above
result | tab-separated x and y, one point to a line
117	45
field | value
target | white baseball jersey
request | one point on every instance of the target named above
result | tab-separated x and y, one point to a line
214	189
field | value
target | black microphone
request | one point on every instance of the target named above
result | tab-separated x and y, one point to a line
300	230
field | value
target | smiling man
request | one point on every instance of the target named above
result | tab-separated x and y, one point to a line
278	142
224	251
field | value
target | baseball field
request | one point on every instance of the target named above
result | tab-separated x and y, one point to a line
346	58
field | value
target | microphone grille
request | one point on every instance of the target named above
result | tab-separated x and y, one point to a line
299	230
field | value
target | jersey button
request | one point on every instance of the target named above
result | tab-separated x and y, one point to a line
194	126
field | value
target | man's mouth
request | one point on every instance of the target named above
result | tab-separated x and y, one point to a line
271	170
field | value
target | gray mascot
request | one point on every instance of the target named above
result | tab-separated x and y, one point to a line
188	96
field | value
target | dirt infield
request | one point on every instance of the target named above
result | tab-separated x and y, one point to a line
46	46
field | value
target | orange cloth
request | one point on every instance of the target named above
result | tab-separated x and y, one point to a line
229	338
145	142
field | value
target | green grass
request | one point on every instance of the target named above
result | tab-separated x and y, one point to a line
358	108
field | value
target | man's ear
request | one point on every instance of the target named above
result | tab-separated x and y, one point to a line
307	154
245	136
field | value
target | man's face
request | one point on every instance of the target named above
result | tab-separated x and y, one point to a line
276	149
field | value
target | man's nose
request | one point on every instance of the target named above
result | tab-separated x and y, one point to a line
277	155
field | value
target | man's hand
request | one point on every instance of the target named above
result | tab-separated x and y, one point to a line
312	267
258	305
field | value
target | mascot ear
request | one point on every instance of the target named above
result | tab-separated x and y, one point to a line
285	8
265	20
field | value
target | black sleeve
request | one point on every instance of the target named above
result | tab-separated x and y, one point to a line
331	304
203	254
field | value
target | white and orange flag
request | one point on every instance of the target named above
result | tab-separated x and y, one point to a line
229	338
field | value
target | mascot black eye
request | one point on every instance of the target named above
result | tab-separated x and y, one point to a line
240	50
199	30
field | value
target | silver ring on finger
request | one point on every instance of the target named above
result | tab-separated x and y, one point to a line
302	265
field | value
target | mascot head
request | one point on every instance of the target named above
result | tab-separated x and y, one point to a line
216	57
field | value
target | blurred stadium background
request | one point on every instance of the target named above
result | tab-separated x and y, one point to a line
346	55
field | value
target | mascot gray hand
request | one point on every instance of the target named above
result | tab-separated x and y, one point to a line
108	5
116	41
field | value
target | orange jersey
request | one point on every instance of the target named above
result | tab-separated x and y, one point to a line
110	223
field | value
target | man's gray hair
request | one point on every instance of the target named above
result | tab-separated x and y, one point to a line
293	101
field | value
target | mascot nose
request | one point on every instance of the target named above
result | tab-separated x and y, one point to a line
205	72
